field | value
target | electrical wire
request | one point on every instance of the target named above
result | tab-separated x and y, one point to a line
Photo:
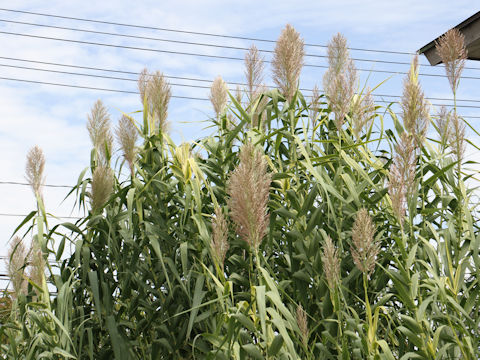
189	32
173	96
204	55
197	86
166	76
201	44
50	216
27	184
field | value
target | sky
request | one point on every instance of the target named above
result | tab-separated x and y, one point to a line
54	117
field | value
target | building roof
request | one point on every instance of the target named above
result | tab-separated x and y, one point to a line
470	28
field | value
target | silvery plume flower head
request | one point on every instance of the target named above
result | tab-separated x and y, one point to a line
127	136
364	247
155	93
102	186
254	66
451	49
340	80
34	170
219	95
220	243
287	62
331	263
98	126
415	112
248	190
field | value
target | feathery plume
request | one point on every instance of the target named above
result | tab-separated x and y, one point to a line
238	94
364	249
156	92
331	263
219	95
340	80
254	66
36	271
414	107
102	186
127	135
220	243
16	263
443	120
248	189
314	108
34	169
98	126
287	61
363	110
402	175
451	49
302	323
456	137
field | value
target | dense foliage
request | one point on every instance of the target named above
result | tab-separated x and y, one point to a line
366	249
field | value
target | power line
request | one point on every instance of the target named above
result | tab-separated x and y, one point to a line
169	76
50	216
27	184
201	44
204	55
190	32
175	96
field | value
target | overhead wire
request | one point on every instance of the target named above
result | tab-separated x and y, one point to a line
201	44
190	79
189	32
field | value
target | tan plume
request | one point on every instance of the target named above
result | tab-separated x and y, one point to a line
314	107
402	175
219	95
302	323
451	49
98	126
248	189
220	243
127	136
102	186
331	263
16	264
415	111
340	80
364	247
155	93
34	170
254	66
362	113
288	61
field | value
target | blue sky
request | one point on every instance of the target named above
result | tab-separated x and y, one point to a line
54	117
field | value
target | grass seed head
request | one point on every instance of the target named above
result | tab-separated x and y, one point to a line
451	49
102	186
402	175
415	112
219	95
16	264
254	66
288	61
220	243
248	190
364	248
314	108
302	323
340	80
363	112
331	263
127	136
98	126
36	271
456	135
34	170
156	92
